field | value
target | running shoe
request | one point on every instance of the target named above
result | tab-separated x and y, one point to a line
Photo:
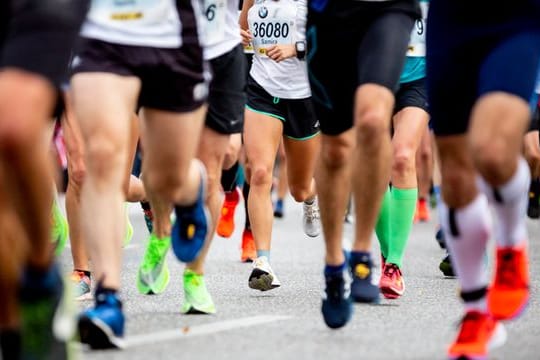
197	299
102	327
249	250
383	263
46	324
533	208
225	226
509	294
129	229
153	274
190	228
278	208
337	305
262	276
392	284
363	288
59	230
148	216
478	334
311	219
422	211
81	285
446	266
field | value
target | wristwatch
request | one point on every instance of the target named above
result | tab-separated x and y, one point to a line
300	47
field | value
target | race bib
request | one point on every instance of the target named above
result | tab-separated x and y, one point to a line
143	11
417	43
271	24
215	12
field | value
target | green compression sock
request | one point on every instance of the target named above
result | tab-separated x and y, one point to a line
403	205
382	228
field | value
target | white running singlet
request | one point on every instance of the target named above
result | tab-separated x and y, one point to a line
221	28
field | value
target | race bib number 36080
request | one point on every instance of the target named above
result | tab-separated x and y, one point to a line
271	25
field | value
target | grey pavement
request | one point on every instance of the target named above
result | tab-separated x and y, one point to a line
286	323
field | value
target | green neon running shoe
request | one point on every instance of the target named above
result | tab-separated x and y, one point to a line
59	229
153	274
197	299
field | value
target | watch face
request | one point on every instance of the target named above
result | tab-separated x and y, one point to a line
300	46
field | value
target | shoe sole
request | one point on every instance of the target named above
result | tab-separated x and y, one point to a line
261	280
98	335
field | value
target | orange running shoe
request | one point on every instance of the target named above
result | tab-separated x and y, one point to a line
422	211
249	250
479	333
225	226
391	283
509	293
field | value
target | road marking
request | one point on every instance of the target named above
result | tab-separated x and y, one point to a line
198	330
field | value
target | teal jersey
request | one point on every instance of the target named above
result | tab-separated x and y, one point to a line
414	69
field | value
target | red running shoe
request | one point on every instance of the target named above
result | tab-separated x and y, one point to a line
249	250
391	284
225	226
509	293
479	333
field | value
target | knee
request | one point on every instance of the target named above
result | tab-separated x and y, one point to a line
105	158
299	193
490	156
403	159
261	176
336	154
371	125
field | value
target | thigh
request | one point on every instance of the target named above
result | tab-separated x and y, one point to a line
301	158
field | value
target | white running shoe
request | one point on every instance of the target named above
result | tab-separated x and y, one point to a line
311	219
262	276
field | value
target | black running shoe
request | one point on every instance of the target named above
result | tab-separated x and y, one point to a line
446	266
439	236
337	306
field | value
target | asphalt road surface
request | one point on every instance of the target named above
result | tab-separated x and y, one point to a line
286	323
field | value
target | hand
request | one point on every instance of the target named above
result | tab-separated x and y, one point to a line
246	37
281	52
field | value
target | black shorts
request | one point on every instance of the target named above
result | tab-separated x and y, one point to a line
484	52
171	79
412	93
298	115
227	96
38	35
351	43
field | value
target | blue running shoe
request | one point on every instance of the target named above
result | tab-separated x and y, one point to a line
363	289
46	325
103	326
337	306
191	226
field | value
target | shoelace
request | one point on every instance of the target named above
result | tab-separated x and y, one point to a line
391	270
470	327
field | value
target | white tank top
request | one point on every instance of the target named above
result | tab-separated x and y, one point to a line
221	28
153	23
279	22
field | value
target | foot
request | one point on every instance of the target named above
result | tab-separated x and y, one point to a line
509	293
153	273
191	226
278	209
197	299
102	327
59	230
225	226
446	266
82	285
363	288
262	276
337	305
311	219
392	284
249	251
422	211
439	236
46	324
478	334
